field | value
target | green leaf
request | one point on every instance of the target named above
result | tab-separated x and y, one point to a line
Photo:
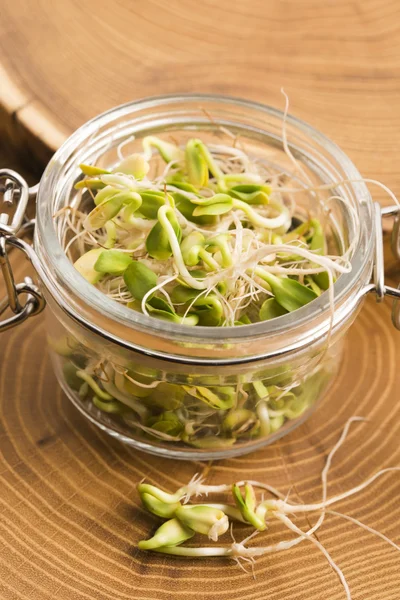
112	261
167	422
109	208
156	507
182	293
219	398
215	199
190	319
106	193
290	294
161	304
70	376
182	185
168	396
113	407
240	422
186	207
139	279
247	505
215	205
245	320
135	165
252	194
169	152
318	244
92	171
212	442
85	265
171	533
204	519
270	309
196	165
210	308
191	247
221	242
157	242
91	184
212	210
311	283
152	201
296	233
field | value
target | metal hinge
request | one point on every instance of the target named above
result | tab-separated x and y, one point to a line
23	299
379	286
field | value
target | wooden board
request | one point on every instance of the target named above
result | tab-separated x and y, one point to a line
70	517
63	62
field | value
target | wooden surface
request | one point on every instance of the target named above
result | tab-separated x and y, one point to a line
339	60
70	517
69	514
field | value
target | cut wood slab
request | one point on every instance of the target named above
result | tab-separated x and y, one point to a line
63	62
70	516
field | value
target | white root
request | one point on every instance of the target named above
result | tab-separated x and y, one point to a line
280	509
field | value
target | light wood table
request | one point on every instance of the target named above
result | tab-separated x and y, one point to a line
70	517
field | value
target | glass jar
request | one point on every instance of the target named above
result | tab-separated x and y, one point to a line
195	392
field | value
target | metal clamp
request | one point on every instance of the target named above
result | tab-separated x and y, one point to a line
16	193
379	287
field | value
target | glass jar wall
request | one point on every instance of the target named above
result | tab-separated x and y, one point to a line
194	392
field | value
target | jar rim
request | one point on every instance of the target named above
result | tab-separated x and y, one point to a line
59	269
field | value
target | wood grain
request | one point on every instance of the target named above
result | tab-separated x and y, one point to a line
62	63
70	518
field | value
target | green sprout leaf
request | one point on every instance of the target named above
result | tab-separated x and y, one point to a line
168	396
113	406
112	261
252	194
247	505
289	293
147	488
168	152
270	309
152	202
86	263
318	244
221	242
186	207
156	507
139	279
109	208
171	533
161	304
240	422
92	171
167	422
196	164
135	165
204	519
190	319
191	247
212	441
157	242
220	398
91	184
211	310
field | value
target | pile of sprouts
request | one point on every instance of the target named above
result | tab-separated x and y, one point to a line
216	239
184	520
205	234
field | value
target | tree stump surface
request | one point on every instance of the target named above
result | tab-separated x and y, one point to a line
70	516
